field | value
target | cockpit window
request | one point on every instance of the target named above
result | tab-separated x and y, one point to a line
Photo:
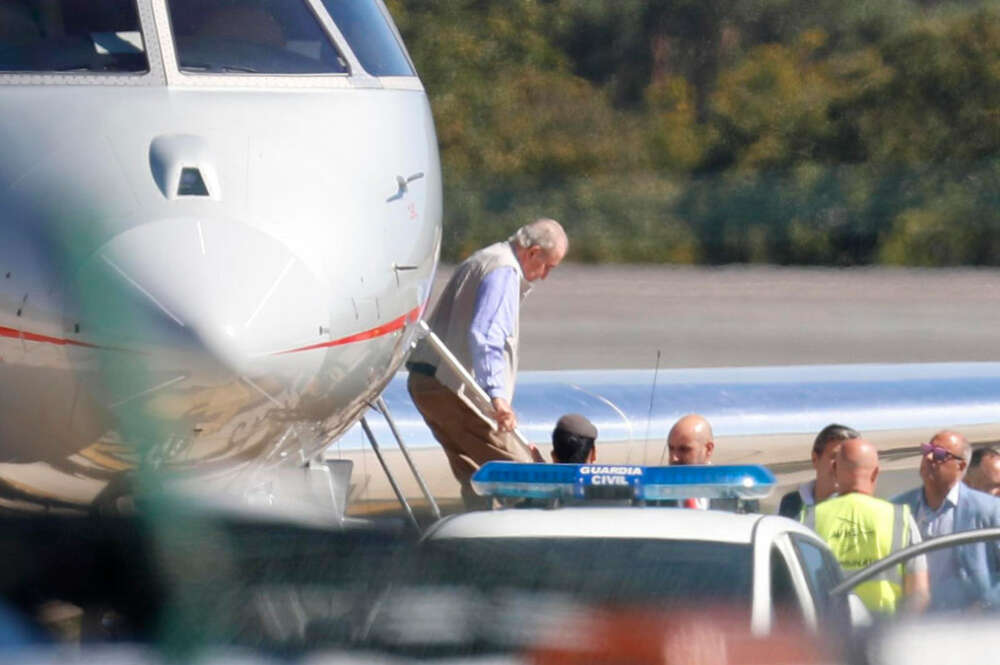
96	36
251	37
370	36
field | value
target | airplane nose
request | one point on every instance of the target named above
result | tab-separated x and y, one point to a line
220	287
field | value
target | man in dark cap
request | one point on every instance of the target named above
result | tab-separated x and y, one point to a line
573	440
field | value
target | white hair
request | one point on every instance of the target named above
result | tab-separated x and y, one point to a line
545	233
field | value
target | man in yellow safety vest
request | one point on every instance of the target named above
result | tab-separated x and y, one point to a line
861	529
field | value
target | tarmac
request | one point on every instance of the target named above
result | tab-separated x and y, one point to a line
614	317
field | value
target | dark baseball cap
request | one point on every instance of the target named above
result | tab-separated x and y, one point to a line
574	423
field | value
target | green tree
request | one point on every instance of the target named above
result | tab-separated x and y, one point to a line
771	110
940	101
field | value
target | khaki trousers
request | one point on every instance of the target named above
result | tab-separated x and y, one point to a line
464	432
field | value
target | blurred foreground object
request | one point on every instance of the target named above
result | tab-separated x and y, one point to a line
704	636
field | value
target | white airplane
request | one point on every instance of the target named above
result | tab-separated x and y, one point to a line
219	222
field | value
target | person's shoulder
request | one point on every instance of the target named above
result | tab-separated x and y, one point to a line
980	501
909	497
791	503
496	257
879	501
858	499
503	273
497	249
787	496
481	254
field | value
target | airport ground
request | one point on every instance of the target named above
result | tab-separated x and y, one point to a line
620	316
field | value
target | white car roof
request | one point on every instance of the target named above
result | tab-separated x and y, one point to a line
603	522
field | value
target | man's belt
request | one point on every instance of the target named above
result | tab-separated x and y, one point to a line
422	368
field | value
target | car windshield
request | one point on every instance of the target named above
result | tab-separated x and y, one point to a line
463	595
251	37
595	569
71	36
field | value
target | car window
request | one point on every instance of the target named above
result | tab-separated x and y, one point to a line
251	37
783	597
71	36
626	569
370	37
822	573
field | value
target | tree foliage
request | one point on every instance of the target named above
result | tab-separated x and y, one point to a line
832	131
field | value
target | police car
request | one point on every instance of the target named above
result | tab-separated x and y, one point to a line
774	570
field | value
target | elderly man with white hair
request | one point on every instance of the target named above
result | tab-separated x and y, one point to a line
478	317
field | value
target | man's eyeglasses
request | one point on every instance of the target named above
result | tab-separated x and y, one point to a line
938	453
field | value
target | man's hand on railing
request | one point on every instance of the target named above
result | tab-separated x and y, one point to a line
504	414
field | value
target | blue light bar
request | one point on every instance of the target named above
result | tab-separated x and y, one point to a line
653	483
745	481
533	481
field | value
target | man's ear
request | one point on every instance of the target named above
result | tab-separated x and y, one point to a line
874	475
709	447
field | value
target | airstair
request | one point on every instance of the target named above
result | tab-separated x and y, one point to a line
478	395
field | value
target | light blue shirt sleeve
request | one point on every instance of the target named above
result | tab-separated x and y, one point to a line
496	308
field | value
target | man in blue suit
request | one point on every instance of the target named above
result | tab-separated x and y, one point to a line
966	577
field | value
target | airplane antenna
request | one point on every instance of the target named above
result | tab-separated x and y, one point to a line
649	416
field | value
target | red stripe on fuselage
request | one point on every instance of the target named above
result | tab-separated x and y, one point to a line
35	337
378	331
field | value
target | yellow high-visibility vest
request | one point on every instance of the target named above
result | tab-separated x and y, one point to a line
860	530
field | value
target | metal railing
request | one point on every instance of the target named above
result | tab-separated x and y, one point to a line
894	559
482	400
479	397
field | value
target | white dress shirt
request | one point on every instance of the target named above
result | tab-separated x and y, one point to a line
942	565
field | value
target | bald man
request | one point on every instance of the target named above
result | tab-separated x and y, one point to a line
984	471
691	442
862	529
961	577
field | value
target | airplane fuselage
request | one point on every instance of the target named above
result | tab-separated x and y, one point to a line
211	274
